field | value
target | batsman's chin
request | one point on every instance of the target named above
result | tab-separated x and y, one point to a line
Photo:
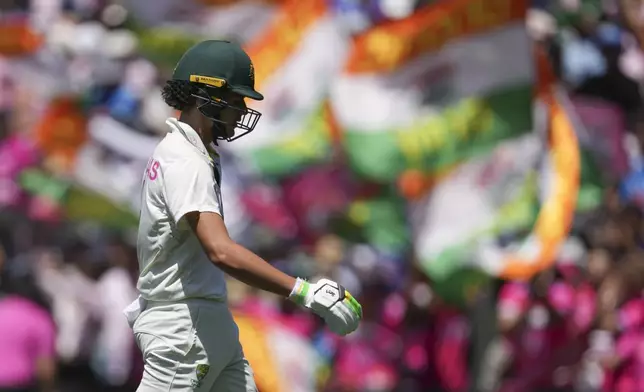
230	131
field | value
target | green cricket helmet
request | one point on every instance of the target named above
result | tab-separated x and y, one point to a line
215	66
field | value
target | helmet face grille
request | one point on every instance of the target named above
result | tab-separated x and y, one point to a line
211	108
247	123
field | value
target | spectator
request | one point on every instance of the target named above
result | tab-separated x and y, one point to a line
115	353
27	335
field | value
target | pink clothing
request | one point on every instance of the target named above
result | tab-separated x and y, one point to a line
451	350
585	309
576	305
318	191
27	333
16	154
538	352
416	350
561	297
300	323
363	362
551	334
512	303
629	374
631	315
514	299
358	364
263	203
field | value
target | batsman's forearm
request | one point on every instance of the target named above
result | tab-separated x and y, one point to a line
245	266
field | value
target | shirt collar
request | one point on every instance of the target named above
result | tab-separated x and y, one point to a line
192	137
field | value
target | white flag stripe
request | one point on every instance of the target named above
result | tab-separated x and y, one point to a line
470	66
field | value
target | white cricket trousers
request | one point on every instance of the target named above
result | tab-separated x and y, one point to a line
191	345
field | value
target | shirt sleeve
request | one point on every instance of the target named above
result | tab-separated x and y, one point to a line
189	187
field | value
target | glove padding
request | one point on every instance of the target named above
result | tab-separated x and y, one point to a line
329	300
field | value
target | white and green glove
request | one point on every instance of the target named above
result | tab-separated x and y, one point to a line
329	300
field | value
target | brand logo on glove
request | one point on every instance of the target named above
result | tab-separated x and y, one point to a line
333	293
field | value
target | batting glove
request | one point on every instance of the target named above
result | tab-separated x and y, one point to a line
329	300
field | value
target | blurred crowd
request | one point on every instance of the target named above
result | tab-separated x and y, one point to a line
578	326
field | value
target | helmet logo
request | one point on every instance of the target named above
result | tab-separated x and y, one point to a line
209	80
251	73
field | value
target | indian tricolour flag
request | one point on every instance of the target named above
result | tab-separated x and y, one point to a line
296	59
526	191
435	89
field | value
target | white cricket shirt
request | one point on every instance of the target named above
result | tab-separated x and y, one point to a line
180	177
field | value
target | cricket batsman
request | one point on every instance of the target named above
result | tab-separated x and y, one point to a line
181	319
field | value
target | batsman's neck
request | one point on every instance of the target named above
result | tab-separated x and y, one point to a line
199	123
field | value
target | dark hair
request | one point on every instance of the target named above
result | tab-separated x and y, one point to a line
24	286
178	94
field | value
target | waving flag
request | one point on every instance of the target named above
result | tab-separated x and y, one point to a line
526	191
295	62
434	89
